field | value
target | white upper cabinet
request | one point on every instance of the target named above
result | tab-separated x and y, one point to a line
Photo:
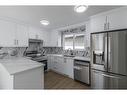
114	19
98	23
22	35
55	39
13	34
117	19
35	33
7	34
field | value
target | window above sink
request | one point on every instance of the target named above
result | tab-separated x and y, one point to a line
74	41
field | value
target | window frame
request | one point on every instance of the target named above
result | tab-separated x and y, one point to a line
74	36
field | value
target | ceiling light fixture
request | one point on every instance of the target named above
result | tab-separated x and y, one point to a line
80	8
44	22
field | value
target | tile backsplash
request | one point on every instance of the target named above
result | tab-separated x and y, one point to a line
59	50
12	51
52	50
18	51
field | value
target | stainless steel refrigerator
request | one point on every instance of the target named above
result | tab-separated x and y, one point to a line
109	59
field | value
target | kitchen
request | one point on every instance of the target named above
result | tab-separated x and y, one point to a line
42	48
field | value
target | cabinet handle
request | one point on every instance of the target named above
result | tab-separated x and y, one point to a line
65	60
36	36
15	42
104	26
108	25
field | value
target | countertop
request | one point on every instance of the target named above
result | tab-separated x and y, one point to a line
76	57
19	64
82	58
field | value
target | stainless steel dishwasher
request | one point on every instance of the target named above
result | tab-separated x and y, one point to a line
82	71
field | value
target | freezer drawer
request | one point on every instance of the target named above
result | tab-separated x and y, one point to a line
102	80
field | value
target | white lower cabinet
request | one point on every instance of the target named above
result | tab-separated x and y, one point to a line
68	67
28	79
62	65
57	64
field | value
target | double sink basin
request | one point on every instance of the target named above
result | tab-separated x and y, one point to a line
69	56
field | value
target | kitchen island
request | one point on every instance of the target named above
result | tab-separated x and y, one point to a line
21	73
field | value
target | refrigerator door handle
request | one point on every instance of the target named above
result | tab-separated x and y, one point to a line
105	52
109	53
105	75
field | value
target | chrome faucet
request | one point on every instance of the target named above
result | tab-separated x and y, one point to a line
70	51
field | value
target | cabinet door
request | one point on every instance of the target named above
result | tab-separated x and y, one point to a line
118	19
70	72
7	34
55	39
59	40
65	66
52	62
22	35
32	33
68	67
60	65
39	34
49	62
98	23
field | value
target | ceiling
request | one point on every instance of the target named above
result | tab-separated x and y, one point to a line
59	16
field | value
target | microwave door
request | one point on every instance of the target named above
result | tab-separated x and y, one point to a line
117	52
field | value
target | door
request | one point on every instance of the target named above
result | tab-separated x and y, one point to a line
49	62
99	51
98	23
117	19
101	80
33	33
22	35
65	67
117	52
82	73
70	66
97	80
60	64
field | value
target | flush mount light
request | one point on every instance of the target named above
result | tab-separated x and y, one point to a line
80	8
44	22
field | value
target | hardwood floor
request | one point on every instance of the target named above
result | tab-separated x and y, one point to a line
54	80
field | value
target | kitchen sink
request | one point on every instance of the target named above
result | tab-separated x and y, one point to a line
69	55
